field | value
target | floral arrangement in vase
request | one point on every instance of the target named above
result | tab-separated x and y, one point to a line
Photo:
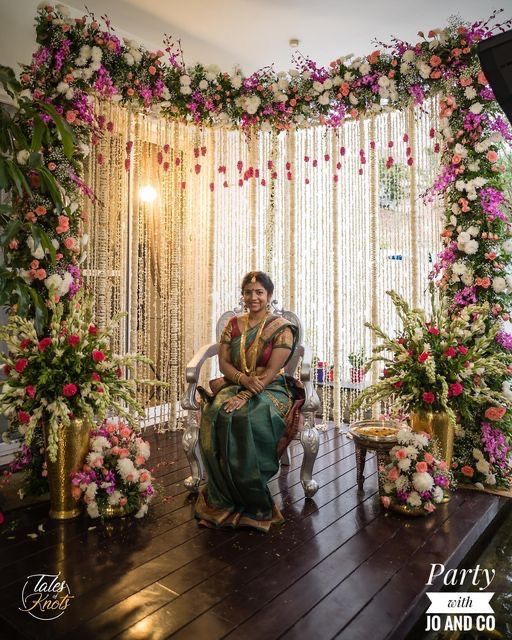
69	373
357	361
414	479
446	362
114	475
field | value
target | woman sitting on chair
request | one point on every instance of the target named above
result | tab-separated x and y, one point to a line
252	416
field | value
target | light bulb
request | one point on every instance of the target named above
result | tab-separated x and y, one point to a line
147	193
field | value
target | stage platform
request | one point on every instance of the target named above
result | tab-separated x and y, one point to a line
340	567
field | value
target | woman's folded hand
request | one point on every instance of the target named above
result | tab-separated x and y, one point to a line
253	383
234	403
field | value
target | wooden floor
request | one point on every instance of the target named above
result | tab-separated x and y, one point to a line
339	567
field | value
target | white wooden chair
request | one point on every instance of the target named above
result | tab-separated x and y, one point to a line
300	364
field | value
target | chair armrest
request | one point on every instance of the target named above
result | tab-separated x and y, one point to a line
194	366
312	401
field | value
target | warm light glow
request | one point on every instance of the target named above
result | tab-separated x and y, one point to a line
147	193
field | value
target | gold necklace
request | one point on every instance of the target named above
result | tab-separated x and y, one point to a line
253	349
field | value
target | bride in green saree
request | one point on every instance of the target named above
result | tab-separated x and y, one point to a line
251	416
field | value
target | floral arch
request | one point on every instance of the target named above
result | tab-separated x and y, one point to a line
82	60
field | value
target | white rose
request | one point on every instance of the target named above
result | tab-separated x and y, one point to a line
328	84
22	156
463	237
499	284
470	247
203	85
459	268
490	479
324	98
37	253
142	511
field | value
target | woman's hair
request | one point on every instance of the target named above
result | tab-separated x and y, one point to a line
262	278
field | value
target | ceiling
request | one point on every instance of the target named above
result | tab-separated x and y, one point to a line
252	33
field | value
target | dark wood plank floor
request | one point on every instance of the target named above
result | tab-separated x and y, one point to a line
339	566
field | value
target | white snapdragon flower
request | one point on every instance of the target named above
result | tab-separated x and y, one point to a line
236	81
477	454
490	478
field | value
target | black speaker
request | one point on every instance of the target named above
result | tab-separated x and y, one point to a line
496	59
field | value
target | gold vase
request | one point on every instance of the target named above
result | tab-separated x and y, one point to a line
441	429
72	448
116	511
406	509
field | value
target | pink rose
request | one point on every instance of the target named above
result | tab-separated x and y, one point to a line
69	243
393	474
144	476
123	453
421	467
115	451
428	506
429	458
401	454
386	501
455	390
126	432
76	492
139	460
23	417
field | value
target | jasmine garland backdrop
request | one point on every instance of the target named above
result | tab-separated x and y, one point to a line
318	209
319	190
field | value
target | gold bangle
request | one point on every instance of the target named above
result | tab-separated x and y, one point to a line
237	377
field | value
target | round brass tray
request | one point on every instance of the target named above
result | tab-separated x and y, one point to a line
360	431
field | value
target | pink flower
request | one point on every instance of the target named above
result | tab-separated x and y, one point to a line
98	356
76	492
442	464
462	349
428	506
69	390
495	413
152	70
140	460
421	467
63	225
115	451
23	417
423	356
44	344
386	501
144	476
123	453
428	397
492	156
429	458
468	471
73	340
93	330
451	352
434	331
401	454
122	501
95	377
69	243
71	116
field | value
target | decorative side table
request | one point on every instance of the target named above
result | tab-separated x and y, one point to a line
374	435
